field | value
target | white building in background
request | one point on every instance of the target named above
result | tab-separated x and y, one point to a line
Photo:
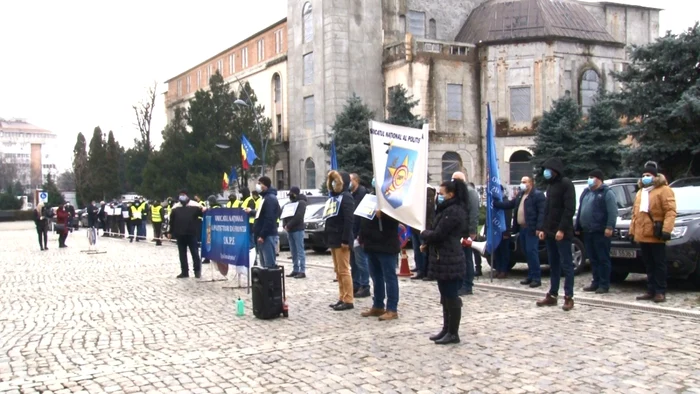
28	147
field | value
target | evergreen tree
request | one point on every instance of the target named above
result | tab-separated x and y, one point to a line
351	135
661	100
55	196
97	167
111	169
400	109
80	169
599	142
556	135
135	160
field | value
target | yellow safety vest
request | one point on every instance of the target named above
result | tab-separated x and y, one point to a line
135	209
155	214
246	203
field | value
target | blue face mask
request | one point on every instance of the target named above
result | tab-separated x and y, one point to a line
591	182
647	180
440	199
373	184
547	173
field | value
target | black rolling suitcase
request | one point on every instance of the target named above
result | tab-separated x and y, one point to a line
269	293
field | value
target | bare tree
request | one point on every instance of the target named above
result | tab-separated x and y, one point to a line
144	113
8	173
66	181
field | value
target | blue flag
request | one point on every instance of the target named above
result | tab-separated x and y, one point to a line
250	155
233	175
495	218
334	157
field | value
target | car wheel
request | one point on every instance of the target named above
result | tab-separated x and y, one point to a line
579	256
618	276
319	250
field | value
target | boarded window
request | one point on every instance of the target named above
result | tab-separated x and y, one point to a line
309	109
310	174
451	163
309	68
454	101
432	29
307	15
520	105
590	81
416	23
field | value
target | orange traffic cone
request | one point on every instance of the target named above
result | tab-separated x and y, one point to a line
405	270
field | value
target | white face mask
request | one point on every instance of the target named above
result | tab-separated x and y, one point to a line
523	187
258	188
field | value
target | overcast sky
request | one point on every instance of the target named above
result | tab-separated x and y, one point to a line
70	65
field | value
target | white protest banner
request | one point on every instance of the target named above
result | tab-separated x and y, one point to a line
367	208
400	162
289	210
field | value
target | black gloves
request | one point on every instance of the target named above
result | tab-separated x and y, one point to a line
631	238
666	236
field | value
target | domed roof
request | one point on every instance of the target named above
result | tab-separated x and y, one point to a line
505	21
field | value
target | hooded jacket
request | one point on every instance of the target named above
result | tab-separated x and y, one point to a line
560	206
266	223
296	223
662	207
339	228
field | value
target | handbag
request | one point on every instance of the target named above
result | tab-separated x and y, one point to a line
59	228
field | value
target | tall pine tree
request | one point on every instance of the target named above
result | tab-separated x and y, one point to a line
80	169
55	196
599	142
351	135
400	109
556	135
96	167
111	171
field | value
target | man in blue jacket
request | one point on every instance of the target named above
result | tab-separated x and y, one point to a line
265	228
596	218
528	220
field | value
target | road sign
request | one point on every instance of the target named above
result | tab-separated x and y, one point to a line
43	197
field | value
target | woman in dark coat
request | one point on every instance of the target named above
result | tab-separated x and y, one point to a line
62	216
446	256
41	220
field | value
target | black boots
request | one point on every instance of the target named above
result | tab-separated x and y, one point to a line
445	314
453	306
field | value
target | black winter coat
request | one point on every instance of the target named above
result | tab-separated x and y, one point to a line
266	223
374	240
446	256
339	228
296	223
561	202
534	210
184	219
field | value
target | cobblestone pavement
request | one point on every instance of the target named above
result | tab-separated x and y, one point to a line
120	322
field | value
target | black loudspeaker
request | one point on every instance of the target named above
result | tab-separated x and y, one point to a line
268	292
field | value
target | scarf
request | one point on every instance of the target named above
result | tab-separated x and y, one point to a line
644	204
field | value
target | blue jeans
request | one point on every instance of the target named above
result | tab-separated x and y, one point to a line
418	256
296	246
598	252
501	256
560	258
468	283
358	268
382	268
529	244
268	251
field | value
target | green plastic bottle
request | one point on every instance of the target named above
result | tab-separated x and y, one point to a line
240	307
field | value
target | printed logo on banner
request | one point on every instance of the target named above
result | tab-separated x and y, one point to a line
207	221
332	207
226	240
398	174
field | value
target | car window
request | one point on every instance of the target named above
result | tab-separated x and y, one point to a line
620	197
631	192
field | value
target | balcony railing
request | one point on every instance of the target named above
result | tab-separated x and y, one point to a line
422	46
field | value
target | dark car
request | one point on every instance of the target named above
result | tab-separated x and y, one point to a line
682	251
310	200
625	190
315	234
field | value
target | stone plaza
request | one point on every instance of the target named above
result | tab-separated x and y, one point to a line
119	322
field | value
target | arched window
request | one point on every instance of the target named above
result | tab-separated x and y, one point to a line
590	81
310	174
451	163
520	166
402	24
307	22
432	29
277	88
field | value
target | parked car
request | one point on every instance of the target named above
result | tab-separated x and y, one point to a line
315	233
682	251
311	210
692	181
625	190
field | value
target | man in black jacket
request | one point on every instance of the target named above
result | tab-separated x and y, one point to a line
358	259
339	216
265	228
559	232
294	226
184	219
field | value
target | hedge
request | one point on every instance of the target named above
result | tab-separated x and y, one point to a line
16	216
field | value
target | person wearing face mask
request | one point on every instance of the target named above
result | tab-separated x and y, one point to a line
294	225
359	265
528	220
444	247
596	218
233	201
339	237
558	232
184	225
653	219
265	227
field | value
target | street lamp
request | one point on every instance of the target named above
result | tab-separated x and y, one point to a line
263	139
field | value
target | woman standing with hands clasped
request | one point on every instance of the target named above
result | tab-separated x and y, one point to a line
446	257
41	221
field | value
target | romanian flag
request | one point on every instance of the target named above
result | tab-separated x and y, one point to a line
245	159
224	182
247	153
